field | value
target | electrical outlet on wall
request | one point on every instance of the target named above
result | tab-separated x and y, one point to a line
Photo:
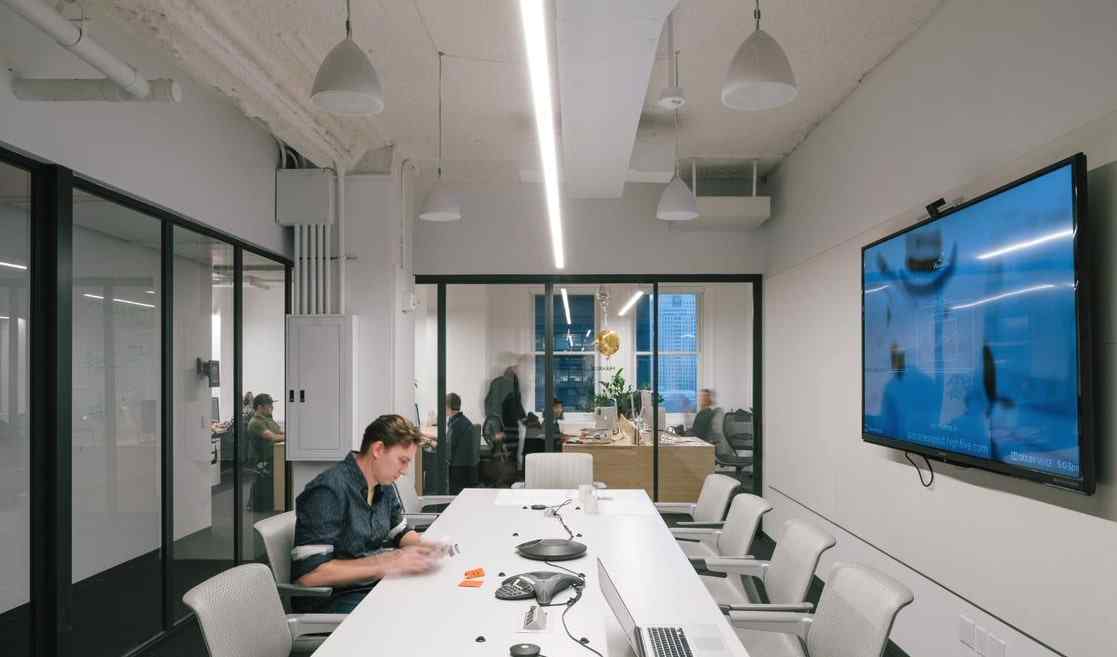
981	640
966	631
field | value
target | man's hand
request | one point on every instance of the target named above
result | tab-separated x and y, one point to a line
409	560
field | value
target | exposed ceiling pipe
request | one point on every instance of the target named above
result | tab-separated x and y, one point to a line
164	91
75	40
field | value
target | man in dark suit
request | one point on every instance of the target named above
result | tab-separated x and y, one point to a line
464	447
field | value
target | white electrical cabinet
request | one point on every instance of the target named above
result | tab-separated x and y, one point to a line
321	386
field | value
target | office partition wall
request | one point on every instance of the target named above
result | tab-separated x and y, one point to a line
15	436
639	349
115	410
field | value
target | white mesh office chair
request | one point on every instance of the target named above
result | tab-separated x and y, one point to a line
711	507
786	577
241	616
732	538
557	470
278	535
854	618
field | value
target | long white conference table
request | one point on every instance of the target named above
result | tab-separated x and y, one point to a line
430	615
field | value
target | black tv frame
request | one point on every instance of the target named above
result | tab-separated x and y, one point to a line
1087	444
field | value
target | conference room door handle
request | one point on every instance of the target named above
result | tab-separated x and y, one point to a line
291	396
302	396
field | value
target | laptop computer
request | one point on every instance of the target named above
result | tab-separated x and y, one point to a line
677	641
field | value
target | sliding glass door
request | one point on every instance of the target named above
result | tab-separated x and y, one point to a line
116	443
15	437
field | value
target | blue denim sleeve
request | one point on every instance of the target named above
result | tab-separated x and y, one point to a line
318	521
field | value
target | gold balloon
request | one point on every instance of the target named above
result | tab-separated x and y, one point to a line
608	342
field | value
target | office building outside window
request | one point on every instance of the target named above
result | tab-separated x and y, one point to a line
574	352
679	351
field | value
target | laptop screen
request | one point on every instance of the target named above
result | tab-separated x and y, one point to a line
620	610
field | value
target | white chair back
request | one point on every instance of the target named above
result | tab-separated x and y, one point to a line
713	499
856	612
278	535
741	524
558	470
794	561
240	613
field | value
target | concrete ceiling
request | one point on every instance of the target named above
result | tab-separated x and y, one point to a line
611	62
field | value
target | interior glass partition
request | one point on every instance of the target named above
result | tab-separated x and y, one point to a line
116	450
203	408
705	374
607	420
425	474
15	438
600	363
263	354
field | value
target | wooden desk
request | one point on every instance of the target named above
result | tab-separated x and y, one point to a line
279	478
684	463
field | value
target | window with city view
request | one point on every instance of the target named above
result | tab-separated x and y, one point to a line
678	349
574	352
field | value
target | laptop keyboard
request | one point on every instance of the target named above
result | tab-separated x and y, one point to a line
669	642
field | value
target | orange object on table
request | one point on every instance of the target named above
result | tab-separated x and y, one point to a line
475	573
471	583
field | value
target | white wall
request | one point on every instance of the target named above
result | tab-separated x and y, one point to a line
504	231
201	157
265	353
984	93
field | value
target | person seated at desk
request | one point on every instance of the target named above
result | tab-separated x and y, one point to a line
465	448
349	518
263	432
703	426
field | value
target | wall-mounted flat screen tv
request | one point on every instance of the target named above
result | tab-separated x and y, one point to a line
975	333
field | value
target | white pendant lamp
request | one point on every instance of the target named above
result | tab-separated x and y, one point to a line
346	82
760	75
676	203
441	205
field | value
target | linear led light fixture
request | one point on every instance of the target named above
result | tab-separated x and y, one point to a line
12	265
566	306
876	289
539	67
630	303
1005	295
1020	246
124	301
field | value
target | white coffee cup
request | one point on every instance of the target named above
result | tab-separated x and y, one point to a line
587	498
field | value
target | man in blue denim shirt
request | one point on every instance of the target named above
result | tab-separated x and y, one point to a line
349	529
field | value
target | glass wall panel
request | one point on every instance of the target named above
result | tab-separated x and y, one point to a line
117	537
425	476
490	366
15	444
264	350
705	382
597	404
203	411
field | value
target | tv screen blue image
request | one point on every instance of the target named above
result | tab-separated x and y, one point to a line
971	334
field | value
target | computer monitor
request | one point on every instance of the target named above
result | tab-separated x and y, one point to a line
646	410
605	417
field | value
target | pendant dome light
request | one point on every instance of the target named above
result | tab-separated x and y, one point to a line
676	203
346	82
760	75
441	205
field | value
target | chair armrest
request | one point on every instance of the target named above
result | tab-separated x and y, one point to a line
303	624
804	607
709	525
784	622
694	532
737	566
519	484
296	591
431	500
684	508
424	518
